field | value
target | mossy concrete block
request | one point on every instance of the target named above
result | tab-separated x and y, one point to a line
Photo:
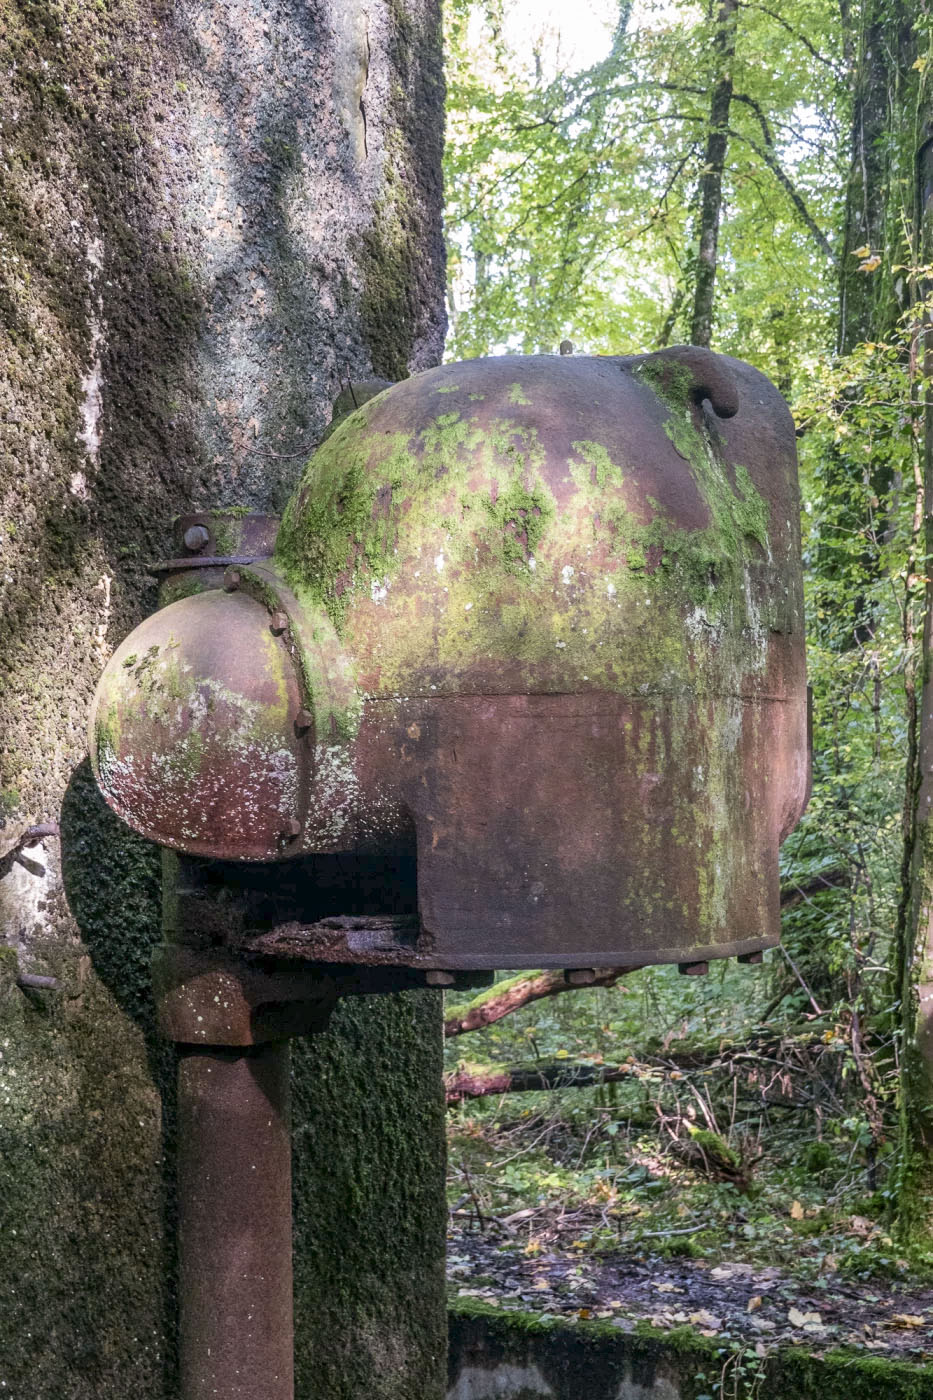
192	196
370	1227
499	1355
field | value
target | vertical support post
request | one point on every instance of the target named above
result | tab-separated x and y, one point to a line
236	1328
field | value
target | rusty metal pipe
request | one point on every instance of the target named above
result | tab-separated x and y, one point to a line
236	1328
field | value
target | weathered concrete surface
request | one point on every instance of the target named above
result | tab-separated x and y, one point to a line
507	1382
211	215
370	1232
509	1357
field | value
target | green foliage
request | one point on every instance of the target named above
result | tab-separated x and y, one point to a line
861	447
572	195
773	1184
573	213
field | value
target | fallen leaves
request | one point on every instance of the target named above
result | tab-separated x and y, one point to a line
708	1323
908	1320
808	1322
731	1301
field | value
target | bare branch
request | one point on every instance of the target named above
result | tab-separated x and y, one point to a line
769	155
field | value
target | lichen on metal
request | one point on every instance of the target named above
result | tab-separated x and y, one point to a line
193	728
544	614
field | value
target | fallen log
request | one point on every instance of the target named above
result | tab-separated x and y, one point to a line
760	1051
480	1083
508	996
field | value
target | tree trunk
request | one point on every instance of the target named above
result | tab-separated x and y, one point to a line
717	144
915	1194
871	294
881	151
211	216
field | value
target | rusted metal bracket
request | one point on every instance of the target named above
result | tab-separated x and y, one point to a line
208	543
331	703
236	1332
505	715
232	1014
215	537
209	996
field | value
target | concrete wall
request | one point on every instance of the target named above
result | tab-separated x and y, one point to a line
500	1355
211	216
510	1357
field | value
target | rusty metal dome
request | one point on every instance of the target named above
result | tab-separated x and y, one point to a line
544	613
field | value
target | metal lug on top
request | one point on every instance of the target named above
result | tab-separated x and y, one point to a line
566	347
580	976
697	969
196	537
751	959
231	580
278	623
435	977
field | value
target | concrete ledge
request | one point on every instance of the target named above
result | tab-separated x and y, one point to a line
499	1355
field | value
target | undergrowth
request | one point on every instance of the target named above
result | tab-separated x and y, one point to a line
731	1136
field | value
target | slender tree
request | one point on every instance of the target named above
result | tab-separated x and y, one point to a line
876	237
717	145
574	198
879	194
915	1196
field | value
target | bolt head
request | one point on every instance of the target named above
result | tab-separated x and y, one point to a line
303	721
697	969
231	580
278	623
196	537
436	977
291	830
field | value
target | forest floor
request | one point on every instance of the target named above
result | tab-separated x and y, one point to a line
736	1180
761	1305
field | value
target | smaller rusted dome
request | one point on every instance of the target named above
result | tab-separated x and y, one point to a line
194	739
